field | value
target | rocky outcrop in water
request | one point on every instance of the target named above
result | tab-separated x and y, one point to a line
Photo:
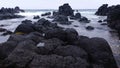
9	13
113	18
103	10
49	45
66	10
36	17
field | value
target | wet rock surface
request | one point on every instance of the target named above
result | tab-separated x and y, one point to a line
44	44
58	47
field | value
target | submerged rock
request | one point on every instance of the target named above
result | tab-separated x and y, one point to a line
36	17
90	28
100	21
84	20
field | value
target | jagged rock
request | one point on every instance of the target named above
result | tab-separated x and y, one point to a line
9	13
66	10
103	10
44	25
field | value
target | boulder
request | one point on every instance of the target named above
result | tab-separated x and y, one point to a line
90	28
25	27
84	20
44	25
100	21
66	10
62	20
36	17
56	33
22	55
98	51
46	14
77	15
71	35
103	10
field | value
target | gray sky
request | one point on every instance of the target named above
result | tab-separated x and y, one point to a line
53	4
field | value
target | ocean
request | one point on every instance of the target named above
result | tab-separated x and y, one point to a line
102	31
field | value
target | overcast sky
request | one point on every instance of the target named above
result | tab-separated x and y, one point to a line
53	4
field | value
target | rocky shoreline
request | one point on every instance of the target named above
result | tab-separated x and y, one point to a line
113	16
10	13
44	44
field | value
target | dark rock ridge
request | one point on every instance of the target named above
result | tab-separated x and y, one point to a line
104	10
9	13
46	45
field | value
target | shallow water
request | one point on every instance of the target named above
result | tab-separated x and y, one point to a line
100	30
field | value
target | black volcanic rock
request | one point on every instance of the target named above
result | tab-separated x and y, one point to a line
78	15
113	18
36	17
9	13
62	20
66	10
46	14
103	10
84	20
90	28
